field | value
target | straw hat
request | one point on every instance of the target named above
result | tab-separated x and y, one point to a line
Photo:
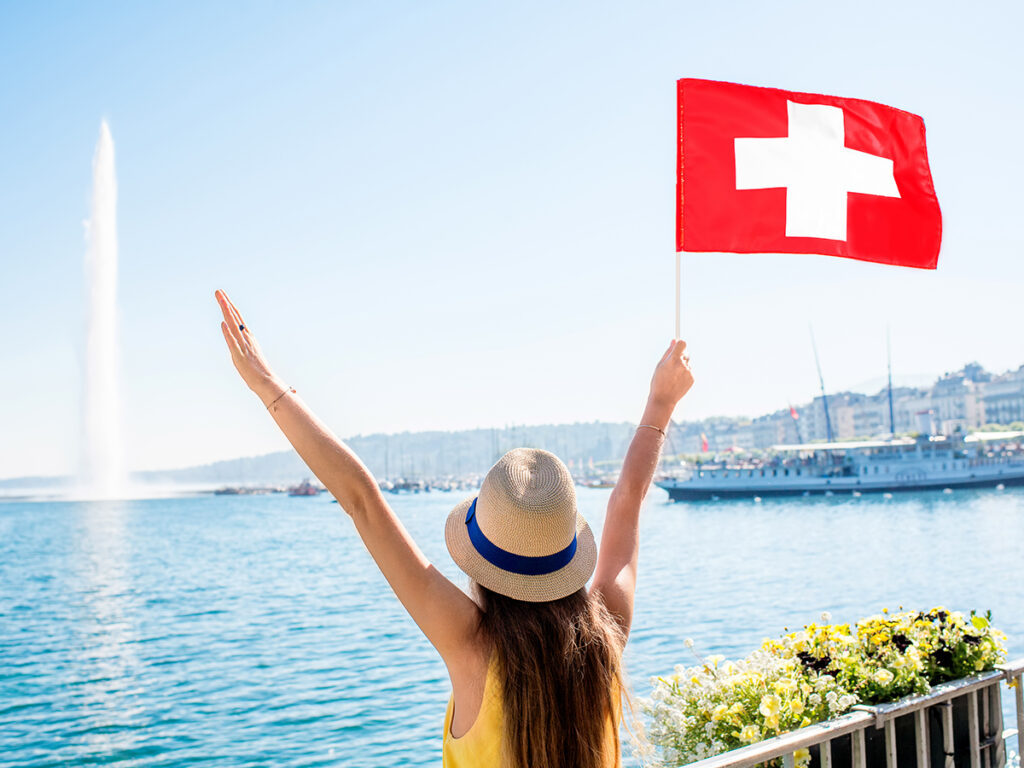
522	536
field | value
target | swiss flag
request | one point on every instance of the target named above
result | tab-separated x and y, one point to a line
762	170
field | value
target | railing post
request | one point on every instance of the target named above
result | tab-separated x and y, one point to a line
1018	695
890	743
985	731
859	752
947	733
972	729
826	753
788	760
995	708
921	737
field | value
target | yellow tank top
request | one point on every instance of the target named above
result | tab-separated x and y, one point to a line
480	746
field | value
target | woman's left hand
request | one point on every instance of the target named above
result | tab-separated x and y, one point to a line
245	352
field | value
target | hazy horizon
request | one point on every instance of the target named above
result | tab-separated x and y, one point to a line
873	386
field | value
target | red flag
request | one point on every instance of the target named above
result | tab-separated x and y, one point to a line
703	442
762	170
793	413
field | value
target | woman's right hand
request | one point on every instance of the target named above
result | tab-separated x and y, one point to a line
672	377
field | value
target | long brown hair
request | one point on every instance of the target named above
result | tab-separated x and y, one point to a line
560	668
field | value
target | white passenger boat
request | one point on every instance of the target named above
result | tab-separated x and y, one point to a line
927	462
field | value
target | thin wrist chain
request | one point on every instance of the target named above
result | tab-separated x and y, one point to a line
286	391
652	426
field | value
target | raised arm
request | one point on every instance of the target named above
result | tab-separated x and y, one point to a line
615	574
447	616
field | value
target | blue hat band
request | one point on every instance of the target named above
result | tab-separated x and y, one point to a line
510	561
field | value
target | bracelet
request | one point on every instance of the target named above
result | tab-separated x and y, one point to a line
289	389
651	426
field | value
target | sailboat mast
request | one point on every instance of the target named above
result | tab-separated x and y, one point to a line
821	381
888	353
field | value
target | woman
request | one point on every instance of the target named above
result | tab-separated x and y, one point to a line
534	657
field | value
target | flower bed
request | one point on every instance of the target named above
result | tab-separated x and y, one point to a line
812	675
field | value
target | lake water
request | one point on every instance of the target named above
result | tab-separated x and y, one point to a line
257	630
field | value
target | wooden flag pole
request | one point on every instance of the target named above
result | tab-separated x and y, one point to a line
679	269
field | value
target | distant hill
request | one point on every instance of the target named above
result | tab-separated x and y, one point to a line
408	454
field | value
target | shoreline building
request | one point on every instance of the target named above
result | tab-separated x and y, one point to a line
959	401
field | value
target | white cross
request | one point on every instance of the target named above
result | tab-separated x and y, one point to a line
816	168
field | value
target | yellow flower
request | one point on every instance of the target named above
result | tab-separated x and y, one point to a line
796	707
719	712
770	705
749	734
785	685
802	757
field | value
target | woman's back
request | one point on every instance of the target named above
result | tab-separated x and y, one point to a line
482	745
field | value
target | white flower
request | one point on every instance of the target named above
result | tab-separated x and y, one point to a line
688	642
826	617
883	676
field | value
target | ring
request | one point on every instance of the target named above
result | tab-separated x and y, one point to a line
241	327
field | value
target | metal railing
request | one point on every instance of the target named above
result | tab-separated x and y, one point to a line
984	725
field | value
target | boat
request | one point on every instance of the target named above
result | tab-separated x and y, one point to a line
305	488
409	486
921	463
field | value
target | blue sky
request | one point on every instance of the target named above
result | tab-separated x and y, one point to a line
448	215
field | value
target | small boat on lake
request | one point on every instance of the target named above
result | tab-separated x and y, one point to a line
305	488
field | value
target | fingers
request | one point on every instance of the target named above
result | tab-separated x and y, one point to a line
668	352
225	307
231	316
237	314
230	313
231	340
679	348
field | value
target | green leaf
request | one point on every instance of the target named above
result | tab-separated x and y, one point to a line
979	622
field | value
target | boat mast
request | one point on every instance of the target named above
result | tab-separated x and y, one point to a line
888	353
821	381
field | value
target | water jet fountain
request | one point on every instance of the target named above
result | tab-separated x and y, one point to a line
101	463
